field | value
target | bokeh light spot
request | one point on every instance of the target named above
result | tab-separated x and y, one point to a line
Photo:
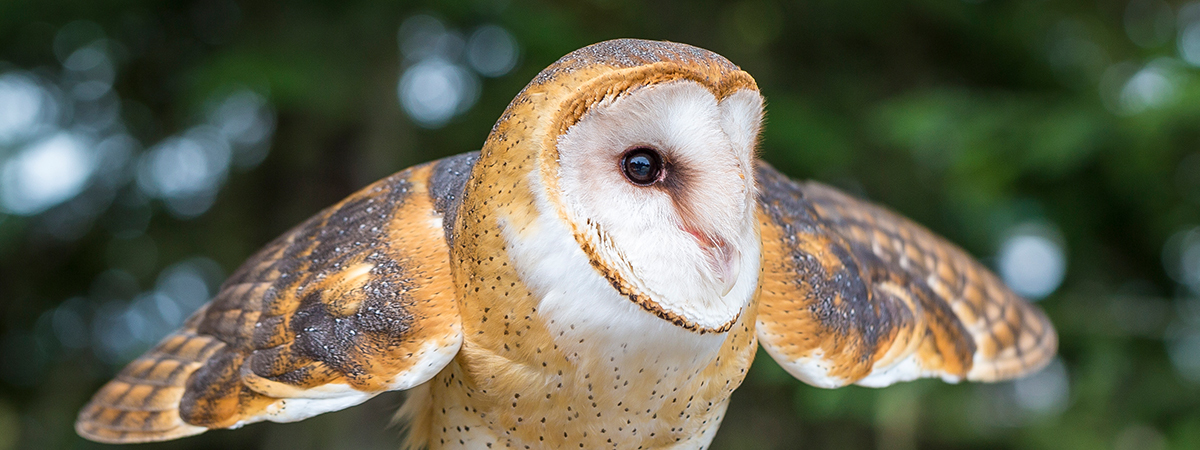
433	91
1189	44
1185	354
1032	262
492	51
186	283
441	80
46	174
23	106
1181	258
247	121
186	171
1189	33
422	36
74	35
1150	87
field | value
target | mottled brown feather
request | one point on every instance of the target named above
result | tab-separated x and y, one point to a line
859	289
141	404
349	301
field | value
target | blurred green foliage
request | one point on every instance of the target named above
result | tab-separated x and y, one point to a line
971	117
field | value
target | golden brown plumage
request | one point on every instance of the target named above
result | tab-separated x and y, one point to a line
349	301
520	321
859	290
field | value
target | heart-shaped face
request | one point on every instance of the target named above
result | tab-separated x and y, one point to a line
659	185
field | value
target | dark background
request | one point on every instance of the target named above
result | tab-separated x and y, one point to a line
148	147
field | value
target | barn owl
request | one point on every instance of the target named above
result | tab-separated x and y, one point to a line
599	275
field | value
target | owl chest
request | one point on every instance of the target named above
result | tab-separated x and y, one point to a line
554	357
530	373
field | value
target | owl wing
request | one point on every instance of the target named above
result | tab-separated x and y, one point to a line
854	293
355	301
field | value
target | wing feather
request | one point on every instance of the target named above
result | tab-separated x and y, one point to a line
356	301
854	293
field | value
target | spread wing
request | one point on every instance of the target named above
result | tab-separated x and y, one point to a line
355	301
854	293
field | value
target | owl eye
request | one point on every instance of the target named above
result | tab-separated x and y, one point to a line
642	166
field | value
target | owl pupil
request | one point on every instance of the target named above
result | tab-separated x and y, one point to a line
642	166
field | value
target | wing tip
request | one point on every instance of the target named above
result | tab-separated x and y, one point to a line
1027	361
93	430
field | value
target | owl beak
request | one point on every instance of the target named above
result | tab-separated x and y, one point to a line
728	262
724	259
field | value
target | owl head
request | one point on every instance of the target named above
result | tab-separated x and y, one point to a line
645	149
